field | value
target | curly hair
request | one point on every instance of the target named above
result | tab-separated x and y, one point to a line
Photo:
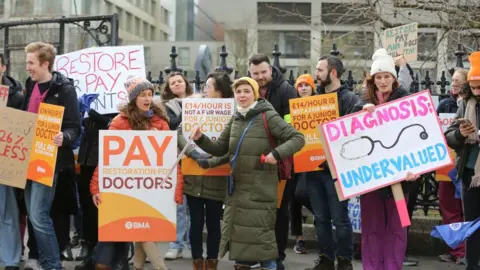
167	92
368	95
137	119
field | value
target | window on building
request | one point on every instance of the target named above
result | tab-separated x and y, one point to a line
352	45
165	16
427	47
129	22
2	7
469	43
284	13
153	9
165	36
147	53
153	34
345	13
292	44
22	8
138	25
146	31
110	8
183	56
121	17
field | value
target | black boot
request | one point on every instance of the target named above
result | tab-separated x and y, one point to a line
85	252
87	264
344	264
67	255
323	263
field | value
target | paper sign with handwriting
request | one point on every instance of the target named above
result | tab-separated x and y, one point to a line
402	40
211	115
307	113
17	129
137	200
368	151
102	70
445	120
43	157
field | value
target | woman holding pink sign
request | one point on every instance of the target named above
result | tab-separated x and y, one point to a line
384	240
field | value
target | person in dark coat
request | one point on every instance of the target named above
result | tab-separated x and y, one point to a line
51	87
462	136
277	91
10	239
176	88
327	209
305	86
451	207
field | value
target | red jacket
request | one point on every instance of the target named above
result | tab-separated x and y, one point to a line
120	122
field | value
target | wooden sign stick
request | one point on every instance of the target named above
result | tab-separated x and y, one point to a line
401	204
183	151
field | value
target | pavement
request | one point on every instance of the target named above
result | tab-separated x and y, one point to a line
294	262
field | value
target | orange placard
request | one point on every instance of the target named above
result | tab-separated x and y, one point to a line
137	195
191	167
43	157
210	115
445	120
306	114
280	189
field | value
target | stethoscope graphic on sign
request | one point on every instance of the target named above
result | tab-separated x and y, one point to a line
365	143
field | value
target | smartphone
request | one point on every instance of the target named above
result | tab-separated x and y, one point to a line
463	121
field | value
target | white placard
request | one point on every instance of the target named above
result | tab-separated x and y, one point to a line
102	70
368	151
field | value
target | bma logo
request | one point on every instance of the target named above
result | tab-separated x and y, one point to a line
137	225
456	226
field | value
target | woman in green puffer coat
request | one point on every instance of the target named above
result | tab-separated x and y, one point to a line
248	231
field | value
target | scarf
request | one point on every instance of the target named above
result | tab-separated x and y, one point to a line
244	111
382	97
471	114
149	113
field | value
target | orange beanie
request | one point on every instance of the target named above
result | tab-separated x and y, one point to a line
305	78
474	73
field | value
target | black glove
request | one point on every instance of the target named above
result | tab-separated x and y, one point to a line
195	155
203	163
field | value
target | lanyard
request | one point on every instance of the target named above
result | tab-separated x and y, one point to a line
233	162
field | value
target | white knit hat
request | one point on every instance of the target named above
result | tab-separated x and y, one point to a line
382	62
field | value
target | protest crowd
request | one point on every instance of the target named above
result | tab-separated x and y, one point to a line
279	148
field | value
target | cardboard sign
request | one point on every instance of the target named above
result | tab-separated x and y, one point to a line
43	157
17	129
4	91
306	114
402	40
445	120
137	198
368	151
211	115
102	70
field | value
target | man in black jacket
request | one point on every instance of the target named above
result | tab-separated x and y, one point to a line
327	208
278	92
15	96
45	85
